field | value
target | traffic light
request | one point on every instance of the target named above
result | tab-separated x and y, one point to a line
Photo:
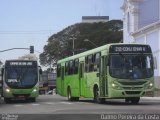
31	49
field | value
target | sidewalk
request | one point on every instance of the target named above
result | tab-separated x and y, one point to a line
152	98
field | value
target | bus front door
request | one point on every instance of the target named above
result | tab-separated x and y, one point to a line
62	80
81	79
103	83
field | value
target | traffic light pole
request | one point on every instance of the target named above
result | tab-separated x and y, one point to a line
13	49
31	49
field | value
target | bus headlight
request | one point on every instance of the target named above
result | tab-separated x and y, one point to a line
7	90
114	85
150	84
35	90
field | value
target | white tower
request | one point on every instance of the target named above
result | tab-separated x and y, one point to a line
130	19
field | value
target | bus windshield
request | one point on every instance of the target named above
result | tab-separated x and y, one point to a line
125	66
21	77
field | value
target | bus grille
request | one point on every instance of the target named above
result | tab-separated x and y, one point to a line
132	83
132	88
133	92
18	95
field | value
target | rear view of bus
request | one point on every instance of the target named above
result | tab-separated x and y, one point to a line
20	80
131	71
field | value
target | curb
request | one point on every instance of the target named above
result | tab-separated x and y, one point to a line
152	98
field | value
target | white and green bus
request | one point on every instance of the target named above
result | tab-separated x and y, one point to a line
112	71
20	80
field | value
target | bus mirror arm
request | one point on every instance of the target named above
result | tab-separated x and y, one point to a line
2	71
40	71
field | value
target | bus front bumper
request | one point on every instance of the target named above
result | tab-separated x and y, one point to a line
20	93
128	93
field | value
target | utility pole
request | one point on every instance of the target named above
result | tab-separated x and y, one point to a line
73	39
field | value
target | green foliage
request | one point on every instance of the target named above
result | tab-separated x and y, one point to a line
60	44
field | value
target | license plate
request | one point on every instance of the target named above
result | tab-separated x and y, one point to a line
21	96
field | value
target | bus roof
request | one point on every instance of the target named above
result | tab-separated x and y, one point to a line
18	60
98	49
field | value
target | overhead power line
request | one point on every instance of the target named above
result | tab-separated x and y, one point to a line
27	32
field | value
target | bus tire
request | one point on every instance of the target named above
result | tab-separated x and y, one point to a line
96	96
135	100
69	95
76	98
127	100
31	99
7	100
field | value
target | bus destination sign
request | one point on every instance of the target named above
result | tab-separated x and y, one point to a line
130	49
21	63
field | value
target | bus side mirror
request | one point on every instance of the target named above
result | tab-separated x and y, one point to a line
2	71
40	71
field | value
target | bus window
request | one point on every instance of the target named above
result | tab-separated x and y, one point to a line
71	67
58	70
131	66
76	63
90	62
86	64
66	68
96	61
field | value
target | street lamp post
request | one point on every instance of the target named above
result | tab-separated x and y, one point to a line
86	40
73	38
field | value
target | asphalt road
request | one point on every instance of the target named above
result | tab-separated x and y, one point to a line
57	107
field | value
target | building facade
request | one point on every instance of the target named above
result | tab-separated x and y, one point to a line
142	25
92	19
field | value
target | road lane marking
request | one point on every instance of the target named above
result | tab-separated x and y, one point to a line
18	105
68	103
49	103
35	104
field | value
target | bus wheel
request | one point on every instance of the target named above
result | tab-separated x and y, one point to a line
135	100
33	99
76	98
96	97
7	100
127	100
69	94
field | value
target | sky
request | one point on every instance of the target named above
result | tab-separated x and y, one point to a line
30	22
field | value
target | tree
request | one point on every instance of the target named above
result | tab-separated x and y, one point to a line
60	45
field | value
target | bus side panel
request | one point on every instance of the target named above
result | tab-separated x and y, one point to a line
90	80
72	81
67	83
58	86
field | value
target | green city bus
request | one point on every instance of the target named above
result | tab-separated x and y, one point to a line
113	71
20	80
